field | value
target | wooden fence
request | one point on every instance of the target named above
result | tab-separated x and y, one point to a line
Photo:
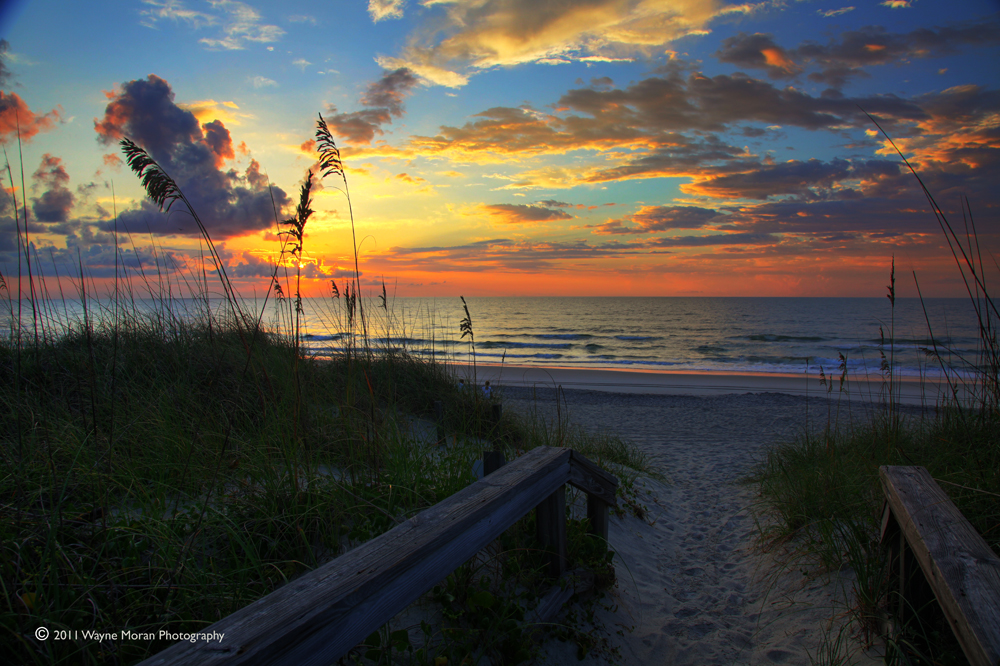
319	617
934	550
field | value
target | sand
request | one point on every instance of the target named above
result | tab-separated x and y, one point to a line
695	585
909	390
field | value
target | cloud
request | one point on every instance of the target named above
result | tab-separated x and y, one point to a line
302	18
301	63
847	56
252	266
651	219
758	51
381	10
218	139
5	75
425	72
652	117
263	82
173	10
209	109
56	201
524	213
240	22
228	202
740	238
503	254
383	100
811	179
407	178
16	117
834	12
463	37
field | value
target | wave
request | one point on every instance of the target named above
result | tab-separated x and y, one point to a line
492	344
563	336
769	337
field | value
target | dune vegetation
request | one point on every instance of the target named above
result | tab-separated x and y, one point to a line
166	460
822	495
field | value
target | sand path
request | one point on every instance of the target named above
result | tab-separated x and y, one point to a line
693	584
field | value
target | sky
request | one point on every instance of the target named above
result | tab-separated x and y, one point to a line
507	147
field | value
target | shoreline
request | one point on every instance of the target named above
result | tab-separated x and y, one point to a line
909	390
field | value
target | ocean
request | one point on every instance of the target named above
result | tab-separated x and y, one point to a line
771	335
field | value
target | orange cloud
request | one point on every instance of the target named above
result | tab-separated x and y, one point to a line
491	33
16	119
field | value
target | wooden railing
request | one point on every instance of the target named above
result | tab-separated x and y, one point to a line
319	617
935	550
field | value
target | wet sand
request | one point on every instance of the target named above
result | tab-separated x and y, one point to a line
909	390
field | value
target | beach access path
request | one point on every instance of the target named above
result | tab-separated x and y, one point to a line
694	583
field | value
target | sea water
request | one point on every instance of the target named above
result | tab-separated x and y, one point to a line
784	335
772	335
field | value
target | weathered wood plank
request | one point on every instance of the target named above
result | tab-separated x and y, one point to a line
550	523
318	617
572	582
593	480
957	562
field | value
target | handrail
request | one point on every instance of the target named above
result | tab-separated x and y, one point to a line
320	616
922	523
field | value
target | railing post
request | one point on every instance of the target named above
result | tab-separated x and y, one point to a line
492	461
550	519
439	420
597	514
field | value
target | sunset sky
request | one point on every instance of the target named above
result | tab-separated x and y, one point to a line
511	147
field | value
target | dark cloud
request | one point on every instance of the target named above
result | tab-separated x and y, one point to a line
524	213
651	219
56	200
384	101
758	51
229	203
251	266
218	139
144	110
846	56
812	179
742	238
390	91
680	157
699	102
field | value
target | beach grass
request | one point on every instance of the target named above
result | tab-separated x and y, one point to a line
164	464
822	494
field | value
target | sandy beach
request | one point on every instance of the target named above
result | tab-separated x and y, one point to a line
695	586
909	390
